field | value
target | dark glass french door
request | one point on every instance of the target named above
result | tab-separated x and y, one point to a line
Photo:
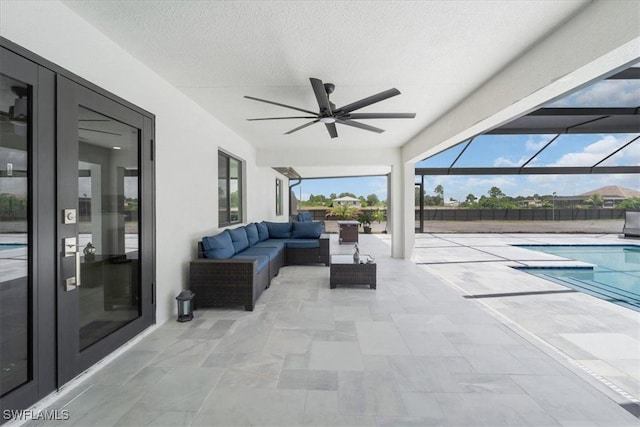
27	206
104	179
76	226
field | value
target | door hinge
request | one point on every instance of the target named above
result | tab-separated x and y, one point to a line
153	293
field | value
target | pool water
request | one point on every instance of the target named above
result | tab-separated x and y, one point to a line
7	246
614	277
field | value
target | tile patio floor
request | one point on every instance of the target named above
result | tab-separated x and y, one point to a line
412	352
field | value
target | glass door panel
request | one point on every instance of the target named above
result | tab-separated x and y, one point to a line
105	226
15	282
108	233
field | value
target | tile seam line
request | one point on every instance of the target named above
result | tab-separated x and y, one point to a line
529	336
475	248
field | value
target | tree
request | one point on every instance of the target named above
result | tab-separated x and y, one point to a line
630	203
439	190
471	198
372	200
380	215
496	192
595	200
343	212
363	201
333	196
365	218
497	203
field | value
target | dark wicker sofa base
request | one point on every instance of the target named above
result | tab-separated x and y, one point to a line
227	282
237	282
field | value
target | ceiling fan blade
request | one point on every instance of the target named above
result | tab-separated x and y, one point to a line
380	116
331	127
321	96
302	127
359	125
368	101
281	105
281	118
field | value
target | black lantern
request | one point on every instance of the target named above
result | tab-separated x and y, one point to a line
185	306
89	252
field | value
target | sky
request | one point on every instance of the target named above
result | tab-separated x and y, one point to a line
516	150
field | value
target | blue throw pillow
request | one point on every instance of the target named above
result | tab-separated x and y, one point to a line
263	231
252	234
219	246
306	230
305	217
239	239
279	230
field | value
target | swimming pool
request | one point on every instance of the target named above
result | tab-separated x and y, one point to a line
7	246
615	275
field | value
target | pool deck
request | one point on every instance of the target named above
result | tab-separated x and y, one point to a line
597	337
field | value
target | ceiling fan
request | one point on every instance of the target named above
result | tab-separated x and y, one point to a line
330	115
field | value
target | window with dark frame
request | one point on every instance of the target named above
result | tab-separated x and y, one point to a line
278	196
229	190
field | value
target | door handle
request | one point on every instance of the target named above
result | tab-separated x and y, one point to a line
70	249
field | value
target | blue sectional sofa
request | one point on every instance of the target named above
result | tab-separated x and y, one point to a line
236	265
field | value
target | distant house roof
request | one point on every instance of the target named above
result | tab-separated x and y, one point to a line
612	192
346	199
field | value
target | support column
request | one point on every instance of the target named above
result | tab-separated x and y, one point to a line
401	210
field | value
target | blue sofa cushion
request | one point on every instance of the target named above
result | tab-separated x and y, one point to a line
263	231
219	246
303	243
279	230
305	217
306	230
239	239
252	234
263	260
270	252
271	243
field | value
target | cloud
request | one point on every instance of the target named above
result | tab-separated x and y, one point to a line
629	156
606	93
505	162
593	153
495	181
535	143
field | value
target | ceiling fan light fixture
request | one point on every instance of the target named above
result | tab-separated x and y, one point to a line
327	119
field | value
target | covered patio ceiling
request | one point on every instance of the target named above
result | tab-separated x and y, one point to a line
462	67
434	52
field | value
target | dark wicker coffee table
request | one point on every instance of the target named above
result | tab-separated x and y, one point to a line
344	271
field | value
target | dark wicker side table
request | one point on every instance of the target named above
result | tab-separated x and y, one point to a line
343	271
348	231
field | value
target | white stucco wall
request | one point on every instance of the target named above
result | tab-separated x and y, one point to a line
187	138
